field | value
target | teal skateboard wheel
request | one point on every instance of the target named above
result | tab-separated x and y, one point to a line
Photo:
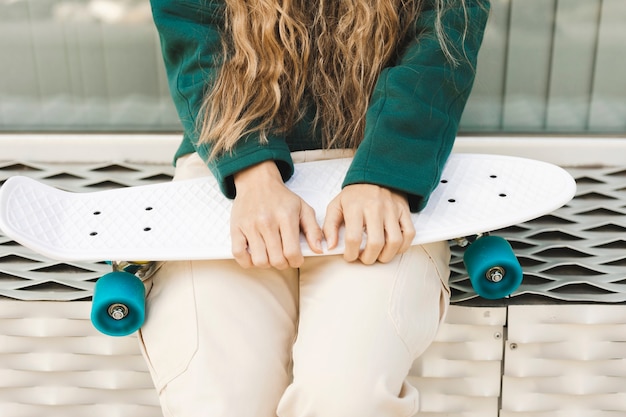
118	306
493	269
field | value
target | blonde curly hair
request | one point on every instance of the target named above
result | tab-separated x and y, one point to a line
282	55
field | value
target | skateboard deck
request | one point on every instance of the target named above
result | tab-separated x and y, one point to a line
189	219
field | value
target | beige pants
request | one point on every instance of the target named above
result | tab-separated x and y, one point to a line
330	339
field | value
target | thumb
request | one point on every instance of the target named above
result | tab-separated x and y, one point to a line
332	223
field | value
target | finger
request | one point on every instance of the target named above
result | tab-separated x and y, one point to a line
239	248
311	230
393	241
291	252
354	224
332	223
257	250
408	231
273	245
375	242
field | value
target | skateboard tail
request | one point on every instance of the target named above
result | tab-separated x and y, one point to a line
25	215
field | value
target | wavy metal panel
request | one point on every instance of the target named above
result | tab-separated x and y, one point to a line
53	363
565	360
459	375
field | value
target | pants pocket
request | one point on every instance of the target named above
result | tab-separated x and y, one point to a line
439	252
169	337
418	299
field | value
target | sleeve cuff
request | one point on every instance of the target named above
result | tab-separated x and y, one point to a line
247	153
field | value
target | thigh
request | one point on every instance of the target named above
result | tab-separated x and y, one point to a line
218	338
360	329
348	300
216	334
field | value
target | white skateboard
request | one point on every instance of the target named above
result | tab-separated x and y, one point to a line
190	219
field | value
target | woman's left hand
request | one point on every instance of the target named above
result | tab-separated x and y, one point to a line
382	213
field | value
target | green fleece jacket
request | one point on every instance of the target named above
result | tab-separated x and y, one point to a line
411	122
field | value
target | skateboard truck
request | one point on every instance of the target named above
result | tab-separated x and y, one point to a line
142	269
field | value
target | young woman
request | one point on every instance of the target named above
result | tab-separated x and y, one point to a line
259	85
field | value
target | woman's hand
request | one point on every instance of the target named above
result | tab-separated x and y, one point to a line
266	220
382	213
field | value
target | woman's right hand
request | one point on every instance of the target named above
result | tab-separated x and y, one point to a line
267	218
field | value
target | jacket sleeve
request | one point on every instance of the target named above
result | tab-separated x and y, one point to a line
190	34
416	106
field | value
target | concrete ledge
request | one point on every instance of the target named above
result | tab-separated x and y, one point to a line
159	148
564	151
88	148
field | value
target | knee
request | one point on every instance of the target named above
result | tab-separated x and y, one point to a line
337	395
